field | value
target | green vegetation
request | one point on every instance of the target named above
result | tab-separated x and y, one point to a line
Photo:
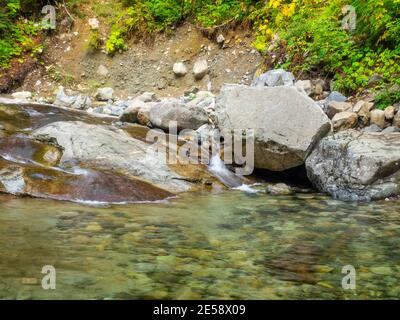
139	17
308	34
305	36
312	37
16	34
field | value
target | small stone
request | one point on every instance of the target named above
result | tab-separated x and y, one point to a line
180	69
378	118
102	70
220	39
147	97
336	96
274	78
318	88
200	69
94	24
104	94
335	107
279	189
304	86
344	120
389	113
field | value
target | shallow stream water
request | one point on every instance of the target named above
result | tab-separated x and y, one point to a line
230	245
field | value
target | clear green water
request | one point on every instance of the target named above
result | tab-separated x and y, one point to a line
207	246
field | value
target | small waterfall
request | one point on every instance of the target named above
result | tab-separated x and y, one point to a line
218	168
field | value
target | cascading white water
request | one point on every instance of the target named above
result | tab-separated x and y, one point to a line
218	168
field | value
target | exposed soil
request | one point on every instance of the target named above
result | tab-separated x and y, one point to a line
144	66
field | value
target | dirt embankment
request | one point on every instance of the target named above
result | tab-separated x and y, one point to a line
143	67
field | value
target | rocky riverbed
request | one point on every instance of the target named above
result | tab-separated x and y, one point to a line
350	149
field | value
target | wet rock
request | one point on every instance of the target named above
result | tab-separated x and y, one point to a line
105	148
274	78
279	189
335	107
357	166
344	120
186	116
104	94
336	96
286	123
200	69
28	150
378	118
22	95
12	180
180	69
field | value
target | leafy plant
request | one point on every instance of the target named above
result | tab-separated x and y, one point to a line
311	33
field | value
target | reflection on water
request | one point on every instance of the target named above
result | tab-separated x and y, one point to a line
227	246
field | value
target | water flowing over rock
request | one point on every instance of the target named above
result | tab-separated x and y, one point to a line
287	124
357	166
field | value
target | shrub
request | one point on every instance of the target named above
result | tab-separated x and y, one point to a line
313	38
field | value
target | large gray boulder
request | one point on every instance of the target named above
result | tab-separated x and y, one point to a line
287	124
186	116
110	148
352	165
